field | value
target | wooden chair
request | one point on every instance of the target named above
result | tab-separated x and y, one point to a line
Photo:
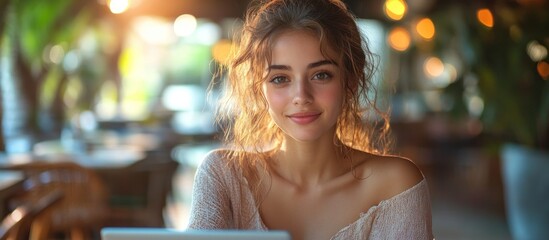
16	225
138	193
81	212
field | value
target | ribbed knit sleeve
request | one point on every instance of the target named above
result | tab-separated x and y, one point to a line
210	206
404	216
222	198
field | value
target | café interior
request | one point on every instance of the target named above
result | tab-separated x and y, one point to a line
108	109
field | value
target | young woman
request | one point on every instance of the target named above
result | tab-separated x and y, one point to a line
303	153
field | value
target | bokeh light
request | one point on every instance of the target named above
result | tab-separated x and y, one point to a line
221	51
154	30
185	25
395	9
475	105
426	28
433	67
118	6
485	17
399	39
536	51
207	32
56	54
71	62
543	69
452	72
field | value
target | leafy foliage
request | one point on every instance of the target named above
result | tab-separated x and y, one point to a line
516	97
28	29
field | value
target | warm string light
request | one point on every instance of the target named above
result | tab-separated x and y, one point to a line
399	39
543	70
221	51
536	51
433	67
395	9
425	28
485	17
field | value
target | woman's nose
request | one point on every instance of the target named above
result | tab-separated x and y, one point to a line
302	93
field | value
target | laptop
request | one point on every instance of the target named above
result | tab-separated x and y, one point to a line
120	233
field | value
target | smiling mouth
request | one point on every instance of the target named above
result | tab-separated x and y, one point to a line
304	118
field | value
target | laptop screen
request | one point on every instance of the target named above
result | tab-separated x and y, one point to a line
116	233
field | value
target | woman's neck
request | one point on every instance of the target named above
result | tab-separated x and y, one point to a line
307	164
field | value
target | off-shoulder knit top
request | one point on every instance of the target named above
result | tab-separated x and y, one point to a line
221	200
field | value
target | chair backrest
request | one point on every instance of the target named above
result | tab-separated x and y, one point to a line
11	223
139	193
160	184
16	225
83	205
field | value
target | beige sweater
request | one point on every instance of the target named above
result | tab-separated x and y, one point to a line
220	201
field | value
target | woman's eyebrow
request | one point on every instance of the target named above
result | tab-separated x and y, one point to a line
320	63
278	67
311	65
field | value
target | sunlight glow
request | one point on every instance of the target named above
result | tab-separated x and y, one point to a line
184	25
119	6
17	215
154	30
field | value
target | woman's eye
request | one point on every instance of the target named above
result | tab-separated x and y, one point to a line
278	80
322	76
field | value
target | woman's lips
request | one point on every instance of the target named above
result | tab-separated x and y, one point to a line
304	118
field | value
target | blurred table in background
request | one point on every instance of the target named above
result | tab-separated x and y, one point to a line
136	167
101	149
142	141
115	157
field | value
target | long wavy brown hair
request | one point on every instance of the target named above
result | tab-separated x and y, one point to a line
249	130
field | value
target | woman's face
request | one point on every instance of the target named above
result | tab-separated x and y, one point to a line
303	88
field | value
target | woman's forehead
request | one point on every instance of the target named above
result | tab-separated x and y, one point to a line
324	46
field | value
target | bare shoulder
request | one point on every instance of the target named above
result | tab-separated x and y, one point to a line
403	170
393	174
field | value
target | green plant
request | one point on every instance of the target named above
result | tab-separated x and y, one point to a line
38	84
505	76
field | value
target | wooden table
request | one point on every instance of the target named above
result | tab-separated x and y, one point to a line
99	158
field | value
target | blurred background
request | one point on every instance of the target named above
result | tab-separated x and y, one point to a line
119	87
